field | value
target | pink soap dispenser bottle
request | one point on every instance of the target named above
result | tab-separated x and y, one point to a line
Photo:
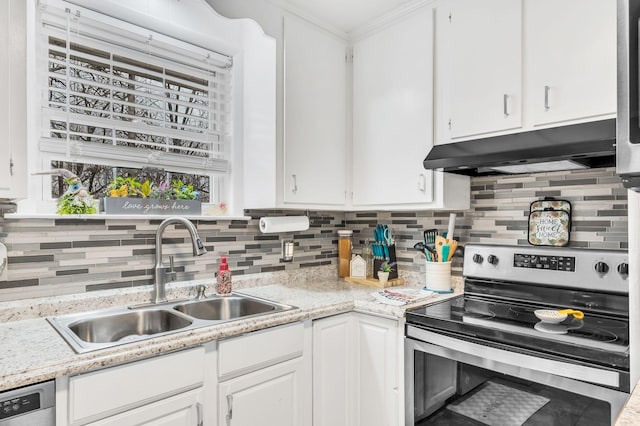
223	283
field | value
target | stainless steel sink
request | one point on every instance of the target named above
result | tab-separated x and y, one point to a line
90	331
227	307
127	326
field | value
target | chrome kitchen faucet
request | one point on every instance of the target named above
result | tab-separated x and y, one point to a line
162	272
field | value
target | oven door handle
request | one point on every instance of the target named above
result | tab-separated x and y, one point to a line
492	355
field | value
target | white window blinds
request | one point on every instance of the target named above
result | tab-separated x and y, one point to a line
117	92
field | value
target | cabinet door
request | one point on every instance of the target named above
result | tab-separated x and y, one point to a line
332	369
482	69
377	348
106	392
271	396
181	410
570	53
392	112
315	115
13	92
356	370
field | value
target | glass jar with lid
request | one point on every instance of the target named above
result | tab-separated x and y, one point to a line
344	252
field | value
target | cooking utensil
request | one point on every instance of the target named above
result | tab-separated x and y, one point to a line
430	238
453	246
440	241
452	224
554	317
424	249
388	235
420	247
429	253
445	253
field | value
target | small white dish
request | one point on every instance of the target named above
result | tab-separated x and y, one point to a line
551	328
550	316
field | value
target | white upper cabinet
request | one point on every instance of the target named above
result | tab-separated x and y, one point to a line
392	112
482	68
393	120
570	59
354	134
315	121
13	108
507	66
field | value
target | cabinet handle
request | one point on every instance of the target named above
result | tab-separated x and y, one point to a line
229	409
11	166
199	411
422	182
295	184
505	105
546	98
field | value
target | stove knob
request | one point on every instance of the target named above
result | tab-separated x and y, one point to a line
477	258
601	268
623	270
492	260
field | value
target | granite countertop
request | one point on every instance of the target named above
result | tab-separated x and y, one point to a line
32	351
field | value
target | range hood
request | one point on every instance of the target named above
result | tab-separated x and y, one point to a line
587	145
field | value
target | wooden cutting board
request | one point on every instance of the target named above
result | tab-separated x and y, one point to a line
374	282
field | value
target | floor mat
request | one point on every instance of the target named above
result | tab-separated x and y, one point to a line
499	405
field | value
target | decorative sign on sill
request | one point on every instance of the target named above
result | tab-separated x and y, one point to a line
132	205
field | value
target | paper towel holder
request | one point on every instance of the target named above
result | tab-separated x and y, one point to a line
279	224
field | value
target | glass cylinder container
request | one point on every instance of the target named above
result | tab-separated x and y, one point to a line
344	252
367	255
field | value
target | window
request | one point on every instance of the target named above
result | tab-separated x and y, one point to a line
120	100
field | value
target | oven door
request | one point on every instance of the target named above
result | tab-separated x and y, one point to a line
455	382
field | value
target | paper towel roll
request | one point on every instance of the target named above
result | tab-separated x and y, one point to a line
269	225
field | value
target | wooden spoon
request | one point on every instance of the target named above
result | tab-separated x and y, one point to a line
440	241
453	245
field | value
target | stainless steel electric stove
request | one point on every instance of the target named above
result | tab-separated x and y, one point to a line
491	333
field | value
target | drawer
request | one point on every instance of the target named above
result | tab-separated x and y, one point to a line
243	354
113	390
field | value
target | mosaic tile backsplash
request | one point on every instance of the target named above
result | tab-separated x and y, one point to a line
64	256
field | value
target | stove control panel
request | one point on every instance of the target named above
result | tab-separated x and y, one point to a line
536	261
569	267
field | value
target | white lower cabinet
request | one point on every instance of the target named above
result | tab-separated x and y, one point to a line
356	370
265	378
136	393
270	396
332	367
185	409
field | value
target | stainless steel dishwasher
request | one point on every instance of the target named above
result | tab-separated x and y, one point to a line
32	405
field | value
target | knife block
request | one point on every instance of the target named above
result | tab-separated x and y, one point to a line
392	258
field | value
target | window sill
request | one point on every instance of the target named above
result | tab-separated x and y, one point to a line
102	216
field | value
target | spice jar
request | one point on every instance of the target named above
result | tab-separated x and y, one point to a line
344	252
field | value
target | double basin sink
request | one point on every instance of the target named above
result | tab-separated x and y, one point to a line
90	331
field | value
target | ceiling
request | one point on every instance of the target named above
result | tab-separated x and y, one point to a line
345	15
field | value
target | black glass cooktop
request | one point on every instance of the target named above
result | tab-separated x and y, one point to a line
596	338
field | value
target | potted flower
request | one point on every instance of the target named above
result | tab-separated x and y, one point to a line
383	272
